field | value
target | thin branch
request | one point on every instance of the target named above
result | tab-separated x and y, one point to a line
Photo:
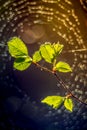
67	89
60	81
42	68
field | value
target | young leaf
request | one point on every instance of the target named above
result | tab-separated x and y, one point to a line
62	67
47	52
57	48
54	101
37	56
68	103
22	63
17	48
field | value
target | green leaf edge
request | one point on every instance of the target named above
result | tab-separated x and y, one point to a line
54	105
60	68
69	106
11	44
27	61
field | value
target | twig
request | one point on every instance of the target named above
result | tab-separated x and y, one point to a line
42	68
68	90
60	81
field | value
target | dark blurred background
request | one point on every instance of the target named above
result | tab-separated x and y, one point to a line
35	22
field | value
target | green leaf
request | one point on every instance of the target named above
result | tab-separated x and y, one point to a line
58	48
37	56
47	52
62	67
22	63
54	101
17	48
68	103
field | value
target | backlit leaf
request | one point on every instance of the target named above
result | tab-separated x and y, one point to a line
47	52
62	67
22	63
57	48
54	101
37	56
68	103
17	48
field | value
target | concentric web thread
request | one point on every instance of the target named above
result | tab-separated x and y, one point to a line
57	21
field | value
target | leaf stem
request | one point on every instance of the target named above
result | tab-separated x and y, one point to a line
60	81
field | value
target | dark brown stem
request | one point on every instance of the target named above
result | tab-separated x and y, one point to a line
67	89
60	81
42	68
